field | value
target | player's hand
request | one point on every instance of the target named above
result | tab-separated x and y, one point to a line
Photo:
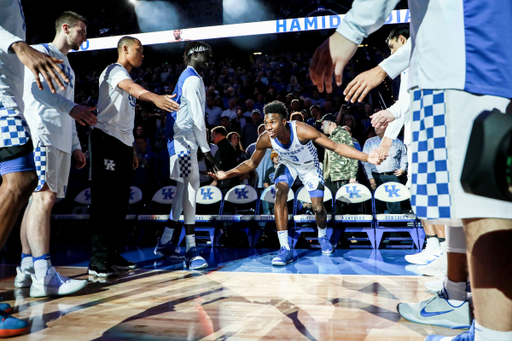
382	118
363	83
352	181
331	56
166	103
385	144
40	63
374	157
220	175
212	162
83	115
135	162
399	172
79	158
373	184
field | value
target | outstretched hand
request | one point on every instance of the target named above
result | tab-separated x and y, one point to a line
374	157
360	86
83	115
331	56
382	118
220	175
166	103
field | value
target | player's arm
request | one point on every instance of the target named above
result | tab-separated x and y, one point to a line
64	106
249	165
306	132
164	102
363	18
191	91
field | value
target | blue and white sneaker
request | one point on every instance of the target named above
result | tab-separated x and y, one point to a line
168	250
284	256
11	326
6	307
326	245
437	311
193	261
468	335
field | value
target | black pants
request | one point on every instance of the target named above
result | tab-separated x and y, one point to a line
111	171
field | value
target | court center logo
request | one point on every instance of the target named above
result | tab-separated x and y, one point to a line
241	193
110	165
392	191
353	191
207	194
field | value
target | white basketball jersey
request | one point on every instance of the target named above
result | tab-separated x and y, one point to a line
295	152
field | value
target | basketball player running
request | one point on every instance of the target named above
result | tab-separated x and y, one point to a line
293	141
186	132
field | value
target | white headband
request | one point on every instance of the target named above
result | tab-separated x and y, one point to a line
197	49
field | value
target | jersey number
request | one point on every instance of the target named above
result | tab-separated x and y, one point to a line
294	158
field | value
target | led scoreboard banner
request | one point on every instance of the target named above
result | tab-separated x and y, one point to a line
237	30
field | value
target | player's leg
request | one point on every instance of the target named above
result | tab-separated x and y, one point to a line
283	180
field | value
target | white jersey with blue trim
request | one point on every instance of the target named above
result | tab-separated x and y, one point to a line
295	152
186	128
456	44
47	113
116	107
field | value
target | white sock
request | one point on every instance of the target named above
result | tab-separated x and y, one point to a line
322	232
190	239
486	334
27	263
166	236
283	239
456	291
41	266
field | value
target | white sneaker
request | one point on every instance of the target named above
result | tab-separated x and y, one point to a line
55	284
431	252
435	286
437	311
439	267
23	279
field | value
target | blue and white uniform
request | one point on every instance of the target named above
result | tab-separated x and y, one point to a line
186	132
53	130
459	67
14	130
297	159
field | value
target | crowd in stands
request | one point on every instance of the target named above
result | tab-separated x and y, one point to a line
236	96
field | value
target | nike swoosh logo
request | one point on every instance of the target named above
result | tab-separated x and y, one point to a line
435	313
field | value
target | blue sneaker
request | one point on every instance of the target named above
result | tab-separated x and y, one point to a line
5	307
468	335
326	245
284	256
11	326
168	250
193	261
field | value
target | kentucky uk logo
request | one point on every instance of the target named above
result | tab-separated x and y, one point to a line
354	192
241	193
392	191
207	194
168	194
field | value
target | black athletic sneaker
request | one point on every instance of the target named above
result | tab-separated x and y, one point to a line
118	262
102	269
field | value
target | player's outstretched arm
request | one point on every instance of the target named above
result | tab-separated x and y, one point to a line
363	84
163	102
307	132
247	166
40	63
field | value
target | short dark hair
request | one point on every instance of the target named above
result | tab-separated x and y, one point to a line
276	107
401	30
261	126
316	106
220	130
70	18
125	41
192	46
297	114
